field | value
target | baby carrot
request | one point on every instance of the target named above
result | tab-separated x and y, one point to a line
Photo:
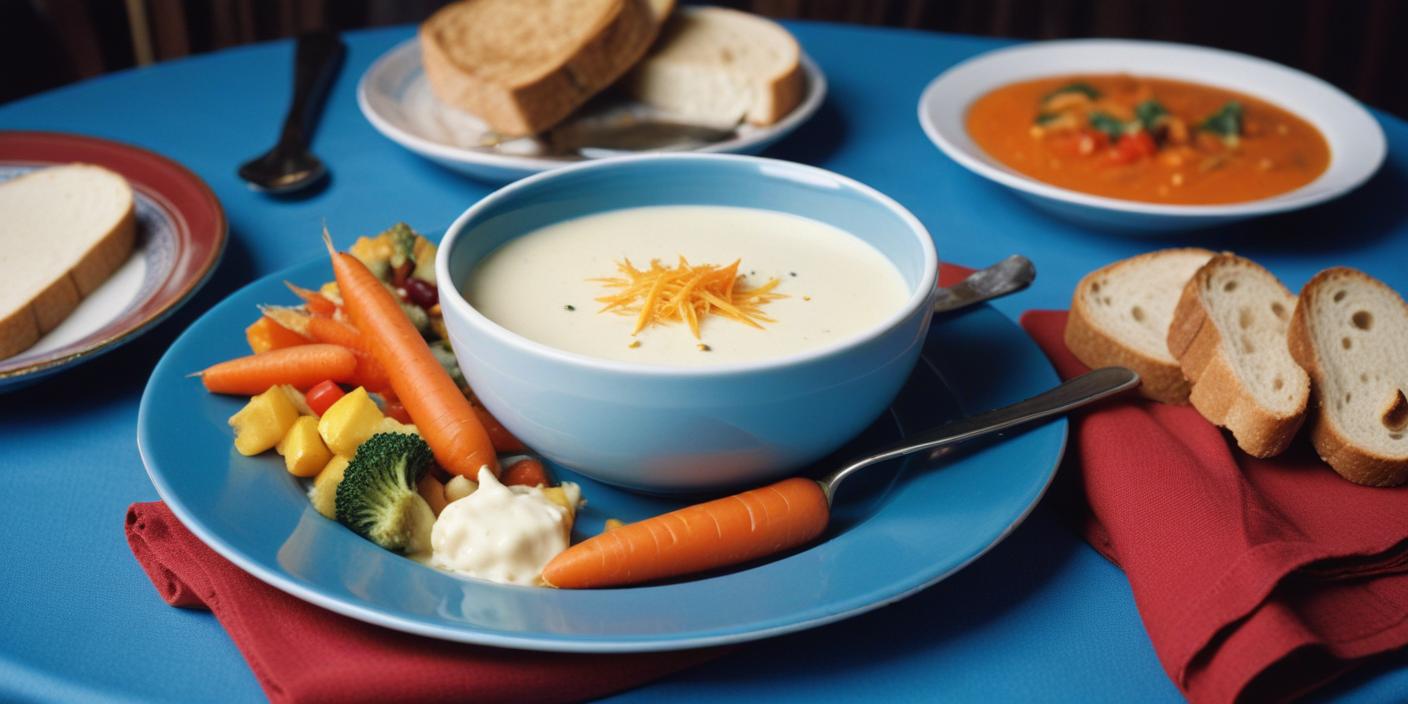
317	303
301	367
370	373
526	472
503	440
718	533
442	413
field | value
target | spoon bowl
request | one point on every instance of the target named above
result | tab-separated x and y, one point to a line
277	171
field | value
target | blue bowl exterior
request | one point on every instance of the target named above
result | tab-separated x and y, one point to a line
665	431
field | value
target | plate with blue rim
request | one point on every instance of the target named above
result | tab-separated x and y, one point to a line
899	528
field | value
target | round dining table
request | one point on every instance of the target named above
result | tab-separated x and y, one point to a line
1041	617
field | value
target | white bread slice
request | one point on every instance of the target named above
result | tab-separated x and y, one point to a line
1350	332
713	65
65	229
1229	336
522	66
1120	316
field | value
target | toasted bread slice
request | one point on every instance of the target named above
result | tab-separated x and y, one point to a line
65	230
1120	316
1350	332
719	66
1229	337
522	66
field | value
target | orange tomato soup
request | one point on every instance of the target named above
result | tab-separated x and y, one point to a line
1148	139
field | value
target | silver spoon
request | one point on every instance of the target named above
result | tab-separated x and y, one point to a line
290	166
1075	393
1007	276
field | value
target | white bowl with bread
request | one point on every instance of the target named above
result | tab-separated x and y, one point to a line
1221	333
500	89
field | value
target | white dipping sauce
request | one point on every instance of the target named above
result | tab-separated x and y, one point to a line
499	533
837	285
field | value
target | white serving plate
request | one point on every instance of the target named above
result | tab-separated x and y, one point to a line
1357	144
395	97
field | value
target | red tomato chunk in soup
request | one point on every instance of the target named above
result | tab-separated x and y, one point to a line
1148	139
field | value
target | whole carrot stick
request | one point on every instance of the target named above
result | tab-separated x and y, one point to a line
444	416
301	367
718	533
370	373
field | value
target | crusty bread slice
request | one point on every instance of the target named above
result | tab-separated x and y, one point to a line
522	66
1350	332
719	66
1229	337
65	229
1120	316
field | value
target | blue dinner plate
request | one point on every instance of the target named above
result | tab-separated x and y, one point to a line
898	529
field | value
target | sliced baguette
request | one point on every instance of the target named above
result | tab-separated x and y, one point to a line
1120	316
522	66
1350	332
1229	337
718	66
65	230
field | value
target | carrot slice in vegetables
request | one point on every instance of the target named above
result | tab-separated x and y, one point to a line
300	367
526	472
443	415
267	334
503	440
727	531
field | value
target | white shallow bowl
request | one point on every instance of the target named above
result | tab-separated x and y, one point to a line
395	97
1357	145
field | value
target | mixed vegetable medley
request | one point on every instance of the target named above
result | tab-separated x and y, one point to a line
323	381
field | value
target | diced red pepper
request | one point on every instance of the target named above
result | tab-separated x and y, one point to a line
393	409
321	397
1133	147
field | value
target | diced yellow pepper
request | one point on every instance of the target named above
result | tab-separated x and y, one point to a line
324	491
391	425
349	422
262	423
298	400
567	496
612	524
303	450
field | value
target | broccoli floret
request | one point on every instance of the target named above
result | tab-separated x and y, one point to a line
377	498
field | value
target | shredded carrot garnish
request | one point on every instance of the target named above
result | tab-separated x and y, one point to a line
686	293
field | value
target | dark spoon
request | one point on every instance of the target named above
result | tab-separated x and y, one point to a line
290	166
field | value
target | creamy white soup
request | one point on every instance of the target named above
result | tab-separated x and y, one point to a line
799	284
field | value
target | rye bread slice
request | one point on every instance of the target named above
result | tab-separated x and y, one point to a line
1350	332
1120	316
1229	337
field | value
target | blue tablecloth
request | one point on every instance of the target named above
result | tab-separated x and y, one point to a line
1040	618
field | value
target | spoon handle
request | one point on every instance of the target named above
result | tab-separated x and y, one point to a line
1082	390
316	61
1007	276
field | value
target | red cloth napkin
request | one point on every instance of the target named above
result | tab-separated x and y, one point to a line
302	653
1256	579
